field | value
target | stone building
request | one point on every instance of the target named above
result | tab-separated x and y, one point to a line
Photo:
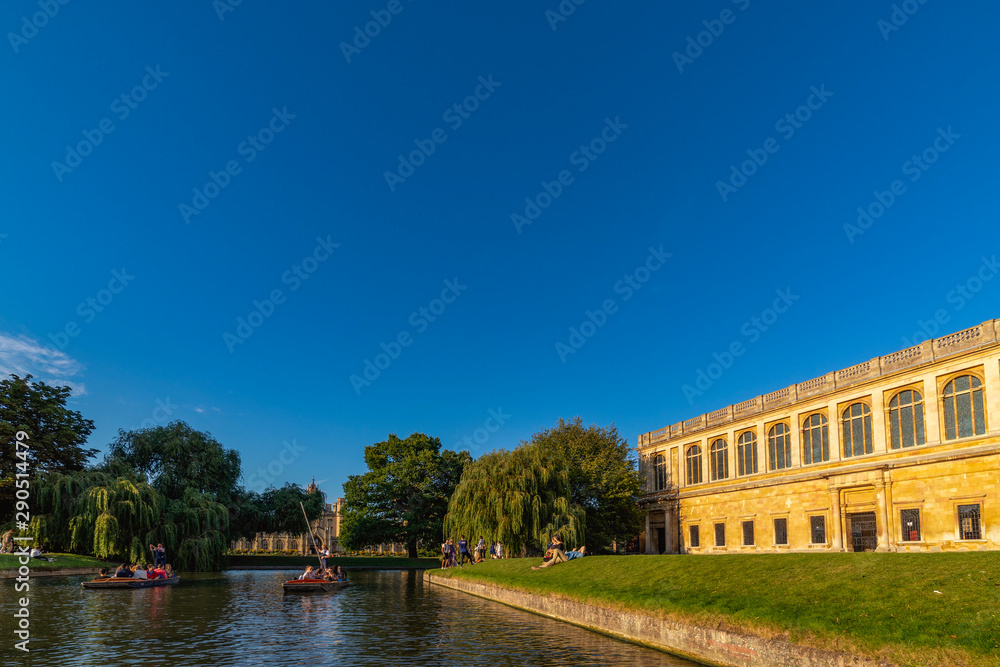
899	453
326	530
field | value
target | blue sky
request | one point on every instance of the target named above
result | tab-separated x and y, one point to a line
250	155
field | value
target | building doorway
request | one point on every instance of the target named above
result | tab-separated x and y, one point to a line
661	540
864	532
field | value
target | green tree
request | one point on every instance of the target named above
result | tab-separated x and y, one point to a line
603	479
404	495
56	434
518	497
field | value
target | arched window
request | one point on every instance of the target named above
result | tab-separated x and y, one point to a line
694	464
659	473
779	447
964	414
906	419
856	427
815	439
746	453
719	461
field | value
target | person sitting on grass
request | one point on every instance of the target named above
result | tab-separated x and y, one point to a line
561	557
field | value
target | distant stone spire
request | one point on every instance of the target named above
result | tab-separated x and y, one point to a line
312	488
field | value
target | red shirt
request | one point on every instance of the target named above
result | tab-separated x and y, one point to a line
156	573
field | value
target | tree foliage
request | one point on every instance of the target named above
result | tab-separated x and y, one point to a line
57	435
404	495
518	497
603	479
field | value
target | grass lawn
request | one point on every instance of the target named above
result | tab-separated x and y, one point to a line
912	609
385	562
62	562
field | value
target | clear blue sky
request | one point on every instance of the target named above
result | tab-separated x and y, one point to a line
672	126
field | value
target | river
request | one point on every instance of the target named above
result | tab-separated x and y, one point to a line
244	618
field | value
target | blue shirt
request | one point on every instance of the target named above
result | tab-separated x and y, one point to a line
463	546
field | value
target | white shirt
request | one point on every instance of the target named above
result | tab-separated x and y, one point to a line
139	574
35	553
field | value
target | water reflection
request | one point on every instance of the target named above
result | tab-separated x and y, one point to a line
244	618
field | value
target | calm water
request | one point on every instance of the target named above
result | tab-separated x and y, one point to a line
244	618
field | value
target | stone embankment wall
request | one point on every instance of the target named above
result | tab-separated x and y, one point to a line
713	647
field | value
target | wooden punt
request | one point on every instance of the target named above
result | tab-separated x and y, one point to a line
125	582
311	585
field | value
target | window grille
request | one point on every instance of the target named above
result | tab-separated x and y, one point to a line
818	526
779	447
748	533
815	440
720	534
969	522
909	521
781	531
719	460
906	419
694	465
963	408
746	454
857	430
695	538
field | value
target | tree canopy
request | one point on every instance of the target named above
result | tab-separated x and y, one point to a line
404	495
520	497
57	435
573	480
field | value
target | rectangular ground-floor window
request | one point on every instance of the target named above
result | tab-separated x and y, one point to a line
817	525
695	538
781	531
909	522
720	534
748	533
970	525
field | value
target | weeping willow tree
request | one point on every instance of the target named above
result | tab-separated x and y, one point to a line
518	497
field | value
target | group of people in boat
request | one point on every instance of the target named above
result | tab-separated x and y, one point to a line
139	571
455	555
555	553
328	574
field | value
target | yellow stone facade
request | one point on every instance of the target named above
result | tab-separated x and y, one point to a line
761	476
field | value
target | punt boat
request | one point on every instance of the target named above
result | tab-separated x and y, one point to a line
310	585
125	582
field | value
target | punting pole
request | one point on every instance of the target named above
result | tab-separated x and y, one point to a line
311	536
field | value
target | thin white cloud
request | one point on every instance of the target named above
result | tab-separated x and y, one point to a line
23	355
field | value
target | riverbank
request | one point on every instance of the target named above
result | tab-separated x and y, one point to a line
904	609
346	562
64	565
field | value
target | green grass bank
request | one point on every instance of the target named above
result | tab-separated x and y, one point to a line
368	562
910	609
62	562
